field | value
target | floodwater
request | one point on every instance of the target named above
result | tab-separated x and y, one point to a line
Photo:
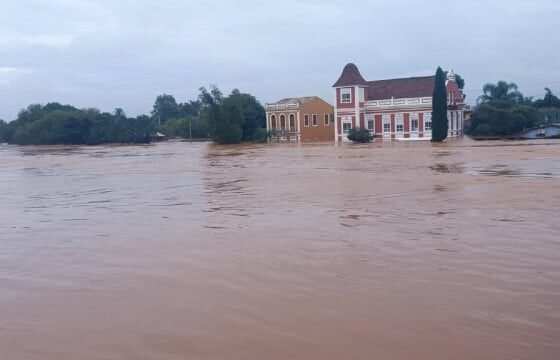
281	251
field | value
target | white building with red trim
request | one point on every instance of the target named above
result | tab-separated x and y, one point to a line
393	108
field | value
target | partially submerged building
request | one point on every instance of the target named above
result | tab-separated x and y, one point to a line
392	108
301	119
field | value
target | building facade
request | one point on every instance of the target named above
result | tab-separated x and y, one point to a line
393	108
301	119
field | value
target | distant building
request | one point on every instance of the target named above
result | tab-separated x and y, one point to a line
393	108
545	131
301	119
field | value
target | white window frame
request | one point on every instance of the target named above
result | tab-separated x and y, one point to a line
414	117
314	120
343	93
372	119
399	121
386	121
346	120
306	120
427	118
327	120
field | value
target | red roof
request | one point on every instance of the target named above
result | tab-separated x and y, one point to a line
350	76
412	87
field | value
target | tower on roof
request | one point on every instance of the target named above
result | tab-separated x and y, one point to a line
350	77
451	76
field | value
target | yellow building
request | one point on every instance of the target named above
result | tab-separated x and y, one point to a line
301	119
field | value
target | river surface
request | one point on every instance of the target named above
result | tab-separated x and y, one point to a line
396	250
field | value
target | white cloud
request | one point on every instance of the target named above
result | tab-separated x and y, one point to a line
10	74
8	70
18	41
48	40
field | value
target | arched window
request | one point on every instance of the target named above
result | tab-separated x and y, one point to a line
282	122
292	122
273	121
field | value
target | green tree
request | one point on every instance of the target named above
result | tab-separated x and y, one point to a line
440	124
460	81
254	114
549	100
119	113
54	123
490	120
503	111
211	102
224	116
501	94
4	128
186	128
229	130
165	107
191	108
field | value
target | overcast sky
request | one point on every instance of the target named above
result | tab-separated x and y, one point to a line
113	53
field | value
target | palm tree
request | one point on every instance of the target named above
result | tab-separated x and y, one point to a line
550	100
503	93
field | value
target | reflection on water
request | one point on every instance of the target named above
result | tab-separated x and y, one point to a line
281	251
447	168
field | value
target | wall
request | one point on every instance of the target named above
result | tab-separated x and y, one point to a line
321	132
548	132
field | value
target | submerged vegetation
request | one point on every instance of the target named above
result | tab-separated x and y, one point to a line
359	135
502	110
54	123
226	120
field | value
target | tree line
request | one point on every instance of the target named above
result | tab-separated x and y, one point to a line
55	123
224	119
502	110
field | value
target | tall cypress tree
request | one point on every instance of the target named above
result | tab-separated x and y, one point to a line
440	125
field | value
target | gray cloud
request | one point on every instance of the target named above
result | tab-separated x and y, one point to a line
109	54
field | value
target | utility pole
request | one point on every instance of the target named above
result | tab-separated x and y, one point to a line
190	130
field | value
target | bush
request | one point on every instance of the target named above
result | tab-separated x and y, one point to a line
360	135
489	120
482	130
261	135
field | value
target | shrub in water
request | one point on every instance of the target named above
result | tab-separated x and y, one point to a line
360	135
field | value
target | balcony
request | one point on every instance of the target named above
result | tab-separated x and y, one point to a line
282	106
388	103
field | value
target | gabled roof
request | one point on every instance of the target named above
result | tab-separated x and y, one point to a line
412	87
350	76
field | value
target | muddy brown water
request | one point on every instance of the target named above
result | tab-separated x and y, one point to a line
195	251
